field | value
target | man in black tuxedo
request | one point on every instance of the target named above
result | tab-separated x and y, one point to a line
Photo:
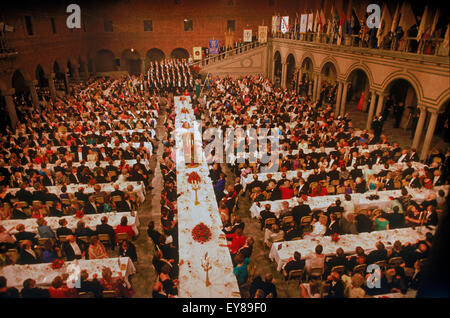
415	181
30	290
408	171
333	227
74	176
389	182
255	183
23	235
300	211
74	248
333	174
356	172
63	230
24	195
380	254
413	156
27	254
296	264
105	228
266	214
91	207
80	195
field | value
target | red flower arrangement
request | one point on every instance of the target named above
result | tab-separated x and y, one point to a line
79	214
186	125
201	233
194	178
92	181
335	237
57	263
184	110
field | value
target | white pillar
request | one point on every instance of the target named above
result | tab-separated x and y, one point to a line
283	74
338	99
381	97
430	133
10	106
419	128
319	86
371	108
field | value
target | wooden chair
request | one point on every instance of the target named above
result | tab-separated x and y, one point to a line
382	264
305	224
62	238
340	269
23	204
331	190
122	237
288	219
27	211
269	221
324	289
316	272
395	261
117	198
86	295
42	241
338	215
397	184
361	269
100	199
105	239
294	274
340	190
84	239
12	254
335	183
296	238
49	203
110	294
363	211
65	202
36	204
269	244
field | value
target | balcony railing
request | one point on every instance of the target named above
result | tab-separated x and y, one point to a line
406	44
229	53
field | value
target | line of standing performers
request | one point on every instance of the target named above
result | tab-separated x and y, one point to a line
170	75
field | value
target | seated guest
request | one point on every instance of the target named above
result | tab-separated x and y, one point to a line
358	259
266	214
333	227
397	280
339	259
336	286
396	219
417	276
315	260
286	190
247	249
300	211
380	254
381	221
89	286
27	255
43	229
127	249
294	264
126	205
285	210
170	286
96	248
5	291
105	228
241	268
82	230
292	231
30	290
60	290
74	248
319	227
23	235
336	207
267	286
63	230
50	252
123	227
360	186
273	235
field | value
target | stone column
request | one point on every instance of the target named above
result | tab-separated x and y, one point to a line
381	97
51	85
310	86
283	74
299	78
142	67
371	108
344	98
338	98
430	132
76	72
66	80
319	86
34	97
419	127
84	70
10	106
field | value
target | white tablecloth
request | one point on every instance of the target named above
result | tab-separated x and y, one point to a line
43	274
192	276
359	199
281	252
90	220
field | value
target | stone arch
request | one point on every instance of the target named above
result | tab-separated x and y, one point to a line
330	61
310	56
42	80
59	69
179	53
130	60
155	54
277	68
444	115
443	99
290	69
362	67
329	71
82	66
360	82
104	61
408	77
19	82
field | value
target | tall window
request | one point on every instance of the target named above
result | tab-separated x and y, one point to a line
29	25
231	25
52	20
148	25
108	26
188	25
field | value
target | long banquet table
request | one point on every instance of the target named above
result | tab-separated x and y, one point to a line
281	252
43	274
192	276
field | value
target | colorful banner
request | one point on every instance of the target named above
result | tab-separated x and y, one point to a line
213	47
262	34
285	24
310	22
197	53
247	35
274	24
303	23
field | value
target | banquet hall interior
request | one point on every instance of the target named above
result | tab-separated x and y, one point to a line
224	149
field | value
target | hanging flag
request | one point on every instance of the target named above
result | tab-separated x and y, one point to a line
285	24
274	24
341	28
435	20
355	25
425	23
322	20
303	23
247	35
385	24
407	18
446	37
197	53
316	22
396	18
213	47
310	22
262	34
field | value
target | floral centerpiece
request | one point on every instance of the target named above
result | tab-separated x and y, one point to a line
57	263
194	180
201	233
186	125
335	237
79	214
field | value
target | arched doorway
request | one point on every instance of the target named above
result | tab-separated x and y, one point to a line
104	61
179	53
290	70
277	69
329	73
400	104
59	77
358	90
81	67
443	123
131	61
155	55
69	68
307	76
40	77
21	92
